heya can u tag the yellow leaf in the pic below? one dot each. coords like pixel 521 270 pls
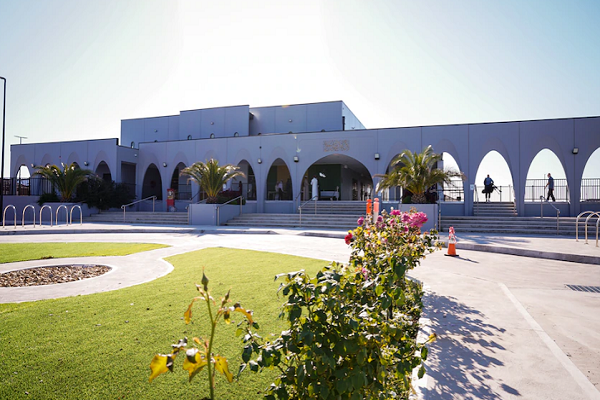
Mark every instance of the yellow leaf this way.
pixel 240 309
pixel 188 314
pixel 160 364
pixel 194 362
pixel 222 366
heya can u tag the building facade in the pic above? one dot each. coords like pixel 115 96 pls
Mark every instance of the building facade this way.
pixel 280 149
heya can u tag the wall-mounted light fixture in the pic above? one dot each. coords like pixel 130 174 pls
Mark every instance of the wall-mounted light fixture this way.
pixel 212 135
pixel 86 163
pixel 377 156
pixel 189 137
pixel 575 150
pixel 235 134
pixel 259 161
pixel 290 120
pixel 212 123
pixel 296 159
pixel 165 164
pixel 135 155
pixel 32 165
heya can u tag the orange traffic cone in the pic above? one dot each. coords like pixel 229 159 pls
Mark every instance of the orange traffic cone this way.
pixel 451 243
pixel 451 250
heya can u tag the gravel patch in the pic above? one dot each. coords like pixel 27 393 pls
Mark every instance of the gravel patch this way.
pixel 51 275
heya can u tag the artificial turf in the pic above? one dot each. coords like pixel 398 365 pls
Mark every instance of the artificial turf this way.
pixel 100 346
pixel 12 252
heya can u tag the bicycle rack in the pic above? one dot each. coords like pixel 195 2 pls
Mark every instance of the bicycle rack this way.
pixel 4 215
pixel 586 221
pixel 66 214
pixel 23 217
pixel 80 214
pixel 49 209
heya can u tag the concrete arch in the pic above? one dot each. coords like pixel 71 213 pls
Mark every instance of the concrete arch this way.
pixel 74 158
pixel 396 149
pixel 270 189
pixel 210 154
pixel 152 183
pixel 241 155
pixel 22 160
pixel 100 157
pixel 446 146
pixel 47 160
pixel 352 170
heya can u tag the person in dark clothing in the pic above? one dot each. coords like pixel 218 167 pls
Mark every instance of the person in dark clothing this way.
pixel 550 186
pixel 489 187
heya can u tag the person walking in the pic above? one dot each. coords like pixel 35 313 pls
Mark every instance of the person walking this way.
pixel 550 186
pixel 489 188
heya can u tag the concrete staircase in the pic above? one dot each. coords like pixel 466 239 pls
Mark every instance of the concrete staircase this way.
pixel 499 209
pixel 329 215
pixel 140 217
pixel 517 225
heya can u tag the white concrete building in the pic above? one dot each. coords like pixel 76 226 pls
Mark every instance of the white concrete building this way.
pixel 291 144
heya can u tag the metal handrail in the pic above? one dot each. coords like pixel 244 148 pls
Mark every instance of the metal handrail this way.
pixel 80 214
pixel 23 217
pixel 298 195
pixel 66 214
pixel 4 215
pixel 124 206
pixel 220 205
pixel 542 212
pixel 315 198
pixel 49 209
pixel 586 221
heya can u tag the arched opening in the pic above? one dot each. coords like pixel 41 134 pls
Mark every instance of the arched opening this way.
pixel 339 177
pixel 183 189
pixel 453 191
pixel 279 181
pixel 152 185
pixel 22 181
pixel 103 171
pixel 546 162
pixel 590 180
pixel 248 183
pixel 502 189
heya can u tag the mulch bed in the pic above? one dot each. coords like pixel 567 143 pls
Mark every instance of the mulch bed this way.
pixel 51 275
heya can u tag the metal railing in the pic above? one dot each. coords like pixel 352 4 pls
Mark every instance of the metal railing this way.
pixel 4 214
pixel 23 217
pixel 499 193
pixel 124 206
pixel 542 202
pixel 536 188
pixel 315 199
pixel 25 187
pixel 592 214
pixel 49 209
pixel 590 190
pixel 452 191
pixel 220 205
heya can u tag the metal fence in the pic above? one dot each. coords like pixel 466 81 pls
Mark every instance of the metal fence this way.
pixel 25 187
pixel 536 188
pixel 590 190
pixel 499 194
pixel 452 191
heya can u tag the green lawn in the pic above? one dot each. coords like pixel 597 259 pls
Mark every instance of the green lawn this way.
pixel 100 346
pixel 11 252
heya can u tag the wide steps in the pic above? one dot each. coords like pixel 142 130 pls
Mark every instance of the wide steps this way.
pixel 140 217
pixel 517 225
pixel 321 221
pixel 505 209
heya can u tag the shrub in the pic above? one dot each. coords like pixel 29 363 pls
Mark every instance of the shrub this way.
pixel 48 198
pixel 352 329
pixel 104 194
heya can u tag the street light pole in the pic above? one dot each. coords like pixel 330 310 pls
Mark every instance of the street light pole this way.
pixel 2 165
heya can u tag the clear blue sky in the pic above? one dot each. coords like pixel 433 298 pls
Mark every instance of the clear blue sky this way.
pixel 76 68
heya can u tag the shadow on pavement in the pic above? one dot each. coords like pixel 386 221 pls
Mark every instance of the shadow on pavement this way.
pixel 466 349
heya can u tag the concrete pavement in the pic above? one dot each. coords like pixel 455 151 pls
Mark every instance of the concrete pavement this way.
pixel 508 327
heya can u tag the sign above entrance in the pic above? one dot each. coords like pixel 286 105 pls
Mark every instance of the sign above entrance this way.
pixel 336 145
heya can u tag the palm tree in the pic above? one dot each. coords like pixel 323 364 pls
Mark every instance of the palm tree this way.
pixel 211 176
pixel 64 180
pixel 415 172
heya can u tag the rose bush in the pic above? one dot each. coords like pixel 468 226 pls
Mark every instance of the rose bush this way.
pixel 352 328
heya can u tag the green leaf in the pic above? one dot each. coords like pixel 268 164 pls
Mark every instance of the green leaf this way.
pixel 421 372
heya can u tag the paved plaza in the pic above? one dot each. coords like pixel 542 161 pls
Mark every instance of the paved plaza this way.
pixel 507 324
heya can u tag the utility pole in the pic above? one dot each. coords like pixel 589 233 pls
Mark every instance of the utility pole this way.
pixel 2 165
